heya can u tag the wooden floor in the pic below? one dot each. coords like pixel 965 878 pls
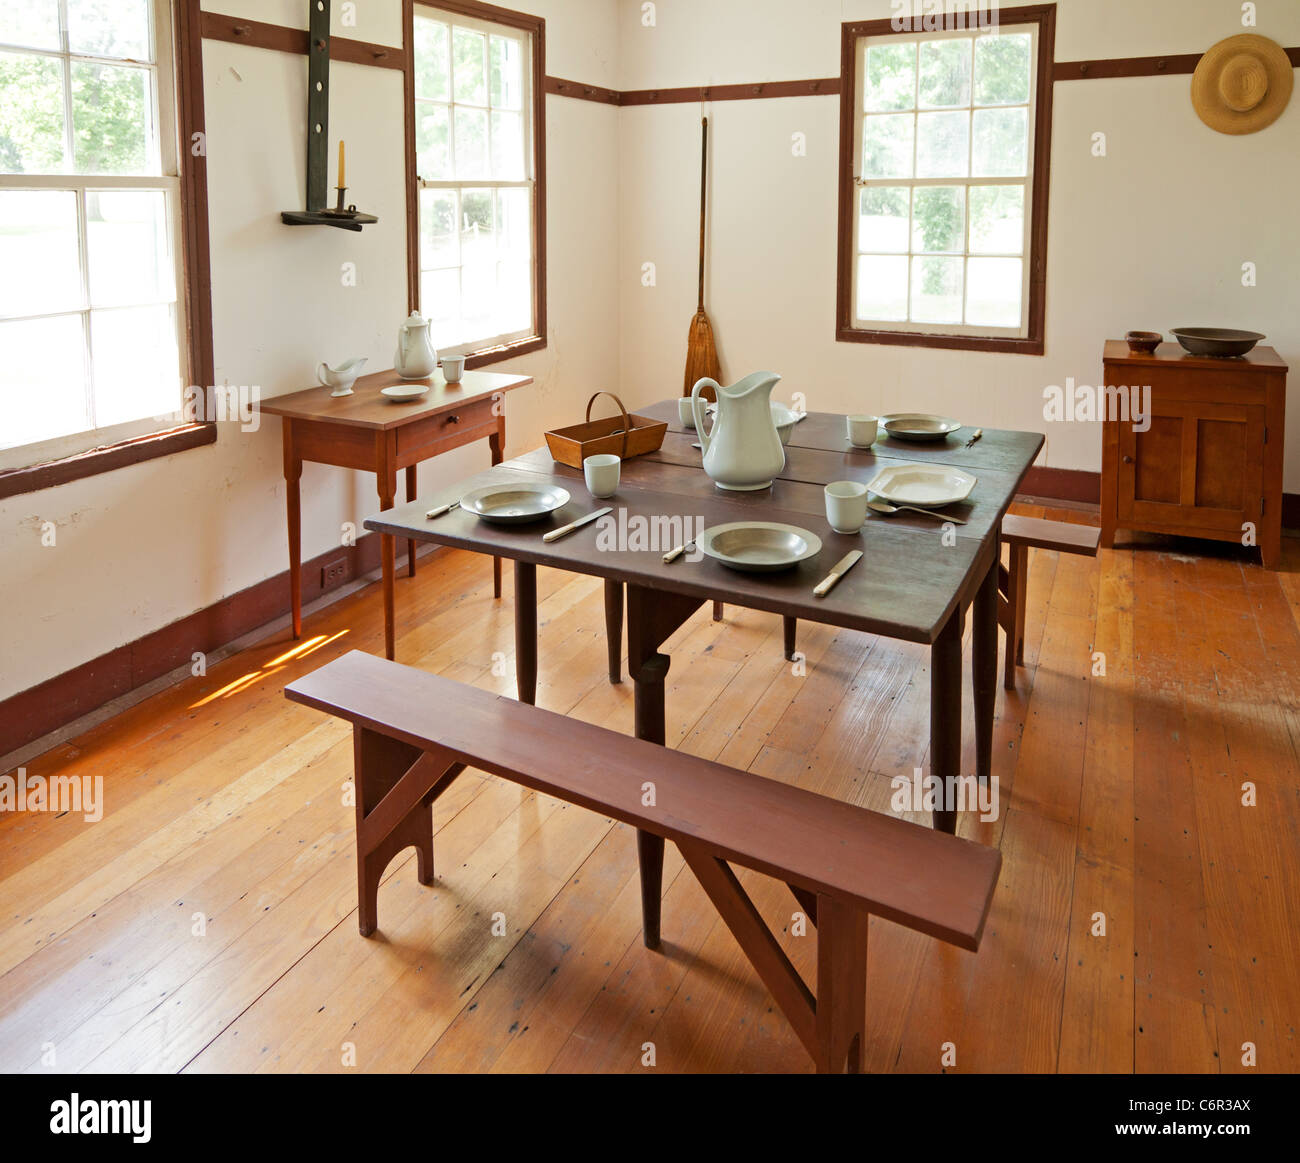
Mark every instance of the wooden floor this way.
pixel 1145 920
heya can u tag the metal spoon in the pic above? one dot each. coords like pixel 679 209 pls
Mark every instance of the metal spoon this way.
pixel 885 507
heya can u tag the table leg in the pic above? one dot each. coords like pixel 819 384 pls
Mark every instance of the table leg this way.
pixel 788 627
pixel 614 629
pixel 496 444
pixel 387 557
pixel 717 611
pixel 293 506
pixel 411 488
pixel 945 717
pixel 984 665
pixel 526 630
pixel 651 618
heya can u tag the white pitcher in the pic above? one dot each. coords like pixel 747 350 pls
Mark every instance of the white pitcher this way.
pixel 742 452
pixel 415 358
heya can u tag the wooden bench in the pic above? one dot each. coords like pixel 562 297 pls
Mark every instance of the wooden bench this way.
pixel 1021 534
pixel 414 732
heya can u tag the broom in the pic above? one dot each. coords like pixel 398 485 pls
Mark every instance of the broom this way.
pixel 701 354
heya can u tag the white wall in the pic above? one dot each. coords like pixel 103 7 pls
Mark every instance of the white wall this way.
pixel 141 547
pixel 1151 237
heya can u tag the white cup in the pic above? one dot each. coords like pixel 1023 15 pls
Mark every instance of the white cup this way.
pixel 602 473
pixel 862 430
pixel 685 412
pixel 846 506
pixel 453 367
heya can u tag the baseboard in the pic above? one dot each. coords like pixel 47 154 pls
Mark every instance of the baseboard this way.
pixel 58 701
pixel 1063 484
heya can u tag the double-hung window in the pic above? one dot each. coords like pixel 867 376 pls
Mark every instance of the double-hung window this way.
pixel 90 324
pixel 477 161
pixel 944 239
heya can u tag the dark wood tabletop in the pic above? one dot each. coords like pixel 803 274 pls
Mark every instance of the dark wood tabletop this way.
pixel 910 578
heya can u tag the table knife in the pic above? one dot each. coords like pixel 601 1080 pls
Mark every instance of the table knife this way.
pixel 441 509
pixel 564 530
pixel 846 563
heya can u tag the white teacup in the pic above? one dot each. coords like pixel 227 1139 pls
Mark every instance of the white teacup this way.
pixel 602 473
pixel 453 367
pixel 685 412
pixel 846 506
pixel 862 430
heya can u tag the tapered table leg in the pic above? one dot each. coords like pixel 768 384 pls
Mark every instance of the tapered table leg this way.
pixel 526 630
pixel 411 487
pixel 293 507
pixel 497 445
pixel 984 665
pixel 614 629
pixel 387 557
pixel 789 626
pixel 945 717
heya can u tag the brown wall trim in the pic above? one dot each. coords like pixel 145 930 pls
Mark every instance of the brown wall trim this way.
pixel 824 87
pixel 44 708
pixel 558 87
pixel 1044 15
pixel 1062 484
pixel 33 478
pixel 280 39
pixel 1166 66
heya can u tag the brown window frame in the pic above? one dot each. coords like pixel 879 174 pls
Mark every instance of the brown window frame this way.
pixel 1044 15
pixel 187 54
pixel 535 27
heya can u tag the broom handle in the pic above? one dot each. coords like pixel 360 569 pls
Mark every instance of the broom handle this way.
pixel 704 187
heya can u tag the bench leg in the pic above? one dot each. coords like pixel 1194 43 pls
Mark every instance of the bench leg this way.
pixel 379 763
pixel 614 629
pixel 526 631
pixel 1019 564
pixel 788 627
pixel 841 986
pixel 984 666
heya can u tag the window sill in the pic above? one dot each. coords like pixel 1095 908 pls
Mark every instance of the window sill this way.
pixel 1027 346
pixel 50 473
pixel 491 355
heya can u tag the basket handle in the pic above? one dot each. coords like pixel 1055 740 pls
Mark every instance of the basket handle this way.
pixel 627 420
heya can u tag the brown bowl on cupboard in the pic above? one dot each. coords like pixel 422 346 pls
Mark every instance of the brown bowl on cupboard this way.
pixel 1143 342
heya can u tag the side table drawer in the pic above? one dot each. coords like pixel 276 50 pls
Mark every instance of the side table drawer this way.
pixel 446 429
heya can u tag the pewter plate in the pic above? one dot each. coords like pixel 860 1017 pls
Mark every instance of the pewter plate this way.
pixel 918 425
pixel 515 504
pixel 758 546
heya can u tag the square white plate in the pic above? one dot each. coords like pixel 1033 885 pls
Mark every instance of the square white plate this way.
pixel 925 485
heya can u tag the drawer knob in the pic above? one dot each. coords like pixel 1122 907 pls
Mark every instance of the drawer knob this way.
pixel 453 419
pixel 1128 460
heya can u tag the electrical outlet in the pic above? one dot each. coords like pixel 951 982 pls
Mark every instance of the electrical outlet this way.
pixel 334 573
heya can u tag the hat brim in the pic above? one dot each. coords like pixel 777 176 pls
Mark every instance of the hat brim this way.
pixel 1208 102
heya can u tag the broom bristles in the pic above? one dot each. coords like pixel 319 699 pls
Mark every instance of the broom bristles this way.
pixel 701 355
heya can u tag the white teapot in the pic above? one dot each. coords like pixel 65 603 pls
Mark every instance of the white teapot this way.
pixel 415 358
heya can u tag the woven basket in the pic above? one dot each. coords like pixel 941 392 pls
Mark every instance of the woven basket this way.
pixel 623 435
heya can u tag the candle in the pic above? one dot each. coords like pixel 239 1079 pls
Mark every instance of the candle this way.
pixel 343 181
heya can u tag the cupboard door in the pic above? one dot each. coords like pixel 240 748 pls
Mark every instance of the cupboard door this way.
pixel 1198 466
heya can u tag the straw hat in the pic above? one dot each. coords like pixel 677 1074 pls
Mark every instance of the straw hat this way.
pixel 1242 84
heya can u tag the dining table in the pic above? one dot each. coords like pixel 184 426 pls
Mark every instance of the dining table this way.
pixel 915 582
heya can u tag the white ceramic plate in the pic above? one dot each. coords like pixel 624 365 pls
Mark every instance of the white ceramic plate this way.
pixel 918 425
pixel 401 393
pixel 514 504
pixel 925 485
pixel 758 546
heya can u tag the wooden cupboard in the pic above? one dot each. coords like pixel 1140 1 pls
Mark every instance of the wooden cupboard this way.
pixel 1207 461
